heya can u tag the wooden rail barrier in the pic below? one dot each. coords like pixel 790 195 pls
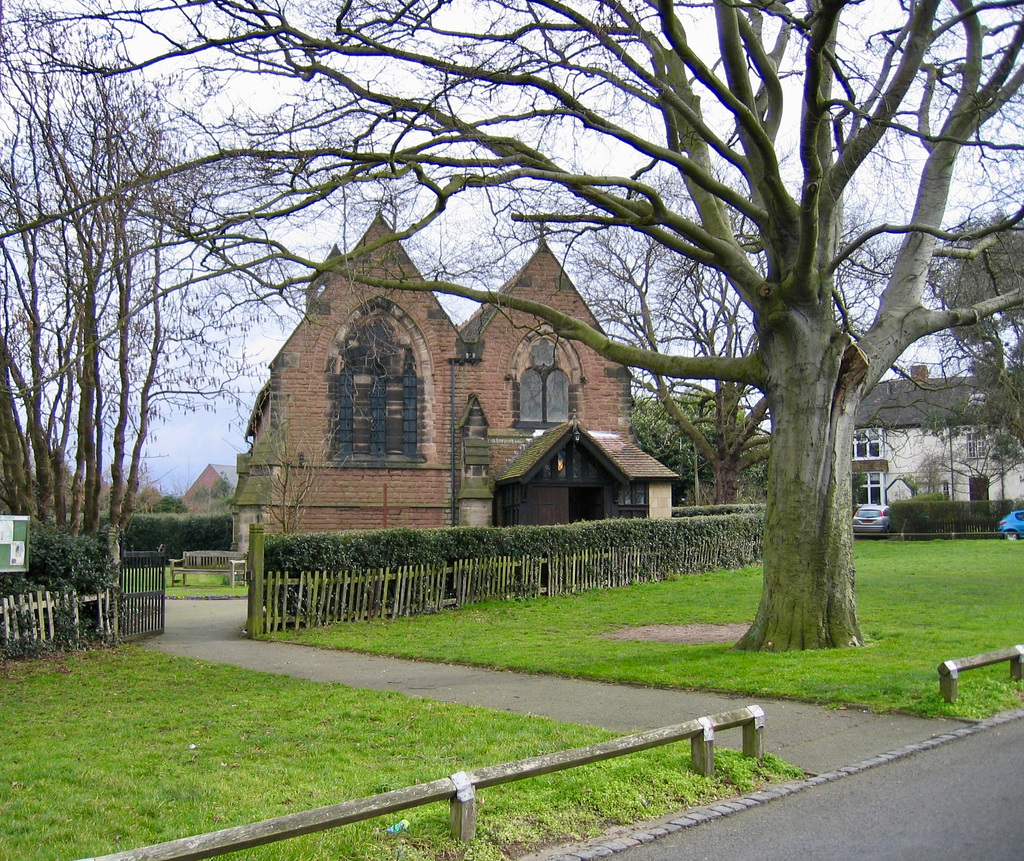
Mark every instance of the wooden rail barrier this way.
pixel 949 671
pixel 459 790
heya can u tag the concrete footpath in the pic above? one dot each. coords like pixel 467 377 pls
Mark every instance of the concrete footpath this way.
pixel 818 740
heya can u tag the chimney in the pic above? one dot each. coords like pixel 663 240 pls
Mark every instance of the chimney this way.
pixel 919 373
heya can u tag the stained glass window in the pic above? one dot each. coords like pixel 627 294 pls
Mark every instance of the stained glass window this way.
pixel 376 394
pixel 543 388
pixel 556 396
pixel 531 397
pixel 410 401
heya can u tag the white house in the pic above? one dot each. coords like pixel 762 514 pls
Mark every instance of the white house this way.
pixel 914 436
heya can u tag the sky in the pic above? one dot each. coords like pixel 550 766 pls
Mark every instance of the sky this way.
pixel 182 443
pixel 179 450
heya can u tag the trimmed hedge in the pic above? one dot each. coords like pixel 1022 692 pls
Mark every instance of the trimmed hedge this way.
pixel 179 532
pixel 947 517
pixel 738 540
pixel 58 562
pixel 712 510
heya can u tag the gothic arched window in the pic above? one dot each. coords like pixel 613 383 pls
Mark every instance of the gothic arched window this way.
pixel 376 392
pixel 543 388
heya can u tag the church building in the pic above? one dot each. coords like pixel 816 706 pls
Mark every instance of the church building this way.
pixel 381 412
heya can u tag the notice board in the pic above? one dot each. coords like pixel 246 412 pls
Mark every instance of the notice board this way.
pixel 13 542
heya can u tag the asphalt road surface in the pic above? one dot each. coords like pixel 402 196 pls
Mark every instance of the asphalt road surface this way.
pixel 963 800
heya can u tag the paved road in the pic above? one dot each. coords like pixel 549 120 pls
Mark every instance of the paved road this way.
pixel 960 801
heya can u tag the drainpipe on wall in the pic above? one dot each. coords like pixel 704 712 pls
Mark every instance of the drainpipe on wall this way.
pixel 452 426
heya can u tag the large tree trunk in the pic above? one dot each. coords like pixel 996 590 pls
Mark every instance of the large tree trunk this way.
pixel 727 482
pixel 808 599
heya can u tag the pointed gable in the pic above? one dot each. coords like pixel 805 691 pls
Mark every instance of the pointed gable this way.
pixel 541 279
pixel 389 259
pixel 621 458
pixel 338 291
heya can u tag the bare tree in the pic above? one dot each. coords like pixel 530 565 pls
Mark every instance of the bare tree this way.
pixel 663 303
pixel 95 334
pixel 570 115
pixel 991 350
pixel 286 466
pixel 294 478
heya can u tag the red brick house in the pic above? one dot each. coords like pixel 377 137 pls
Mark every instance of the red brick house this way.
pixel 202 492
pixel 380 412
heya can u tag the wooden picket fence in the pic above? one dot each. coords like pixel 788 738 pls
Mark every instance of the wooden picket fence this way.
pixel 310 599
pixel 321 597
pixel 593 569
pixel 40 618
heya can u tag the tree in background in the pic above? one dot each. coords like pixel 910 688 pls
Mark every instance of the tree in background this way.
pixel 990 349
pixel 661 436
pixel 663 303
pixel 772 116
pixel 169 504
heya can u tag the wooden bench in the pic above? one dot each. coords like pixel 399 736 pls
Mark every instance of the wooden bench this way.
pixel 949 671
pixel 226 562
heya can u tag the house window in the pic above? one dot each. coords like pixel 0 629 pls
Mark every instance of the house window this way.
pixel 873 488
pixel 975 446
pixel 633 500
pixel 867 444
pixel 543 388
pixel 376 393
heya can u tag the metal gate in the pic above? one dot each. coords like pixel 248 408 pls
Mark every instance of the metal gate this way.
pixel 143 595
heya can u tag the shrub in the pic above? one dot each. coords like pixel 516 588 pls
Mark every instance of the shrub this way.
pixel 711 510
pixel 59 562
pixel 179 532
pixel 735 539
pixel 946 517
pixel 934 496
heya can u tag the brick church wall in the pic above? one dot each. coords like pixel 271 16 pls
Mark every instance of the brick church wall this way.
pixel 349 495
pixel 600 396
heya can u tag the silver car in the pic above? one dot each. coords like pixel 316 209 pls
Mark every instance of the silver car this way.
pixel 871 520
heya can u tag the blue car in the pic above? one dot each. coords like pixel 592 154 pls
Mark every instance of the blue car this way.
pixel 1012 526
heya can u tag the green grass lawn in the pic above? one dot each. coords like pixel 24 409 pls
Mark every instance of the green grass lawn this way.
pixel 204 586
pixel 190 591
pixel 113 750
pixel 920 603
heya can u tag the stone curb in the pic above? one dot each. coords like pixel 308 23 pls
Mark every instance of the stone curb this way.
pixel 698 816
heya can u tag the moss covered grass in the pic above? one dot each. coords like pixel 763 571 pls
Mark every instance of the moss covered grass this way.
pixel 920 603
